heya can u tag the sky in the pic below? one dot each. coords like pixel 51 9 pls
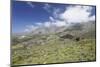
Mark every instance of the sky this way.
pixel 28 16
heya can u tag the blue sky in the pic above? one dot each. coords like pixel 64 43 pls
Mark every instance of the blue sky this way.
pixel 30 15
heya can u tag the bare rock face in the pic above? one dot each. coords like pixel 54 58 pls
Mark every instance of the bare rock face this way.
pixel 77 38
pixel 67 36
pixel 72 37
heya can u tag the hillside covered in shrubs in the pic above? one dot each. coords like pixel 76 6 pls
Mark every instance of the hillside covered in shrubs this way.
pixel 75 43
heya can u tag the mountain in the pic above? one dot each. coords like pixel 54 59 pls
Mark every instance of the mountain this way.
pixel 42 34
pixel 48 45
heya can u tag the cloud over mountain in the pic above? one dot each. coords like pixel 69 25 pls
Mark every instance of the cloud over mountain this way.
pixel 77 14
pixel 72 14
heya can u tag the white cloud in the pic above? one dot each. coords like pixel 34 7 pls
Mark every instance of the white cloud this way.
pixel 56 12
pixel 59 23
pixel 77 14
pixel 92 18
pixel 51 19
pixel 56 23
pixel 30 4
pixel 30 28
pixel 47 7
pixel 47 24
pixel 39 24
pixel 26 30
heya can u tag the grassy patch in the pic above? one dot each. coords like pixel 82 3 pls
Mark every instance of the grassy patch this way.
pixel 54 51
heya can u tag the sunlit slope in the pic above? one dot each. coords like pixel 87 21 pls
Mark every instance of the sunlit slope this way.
pixel 73 44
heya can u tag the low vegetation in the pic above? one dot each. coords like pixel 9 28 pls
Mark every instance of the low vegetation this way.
pixel 54 51
pixel 66 46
